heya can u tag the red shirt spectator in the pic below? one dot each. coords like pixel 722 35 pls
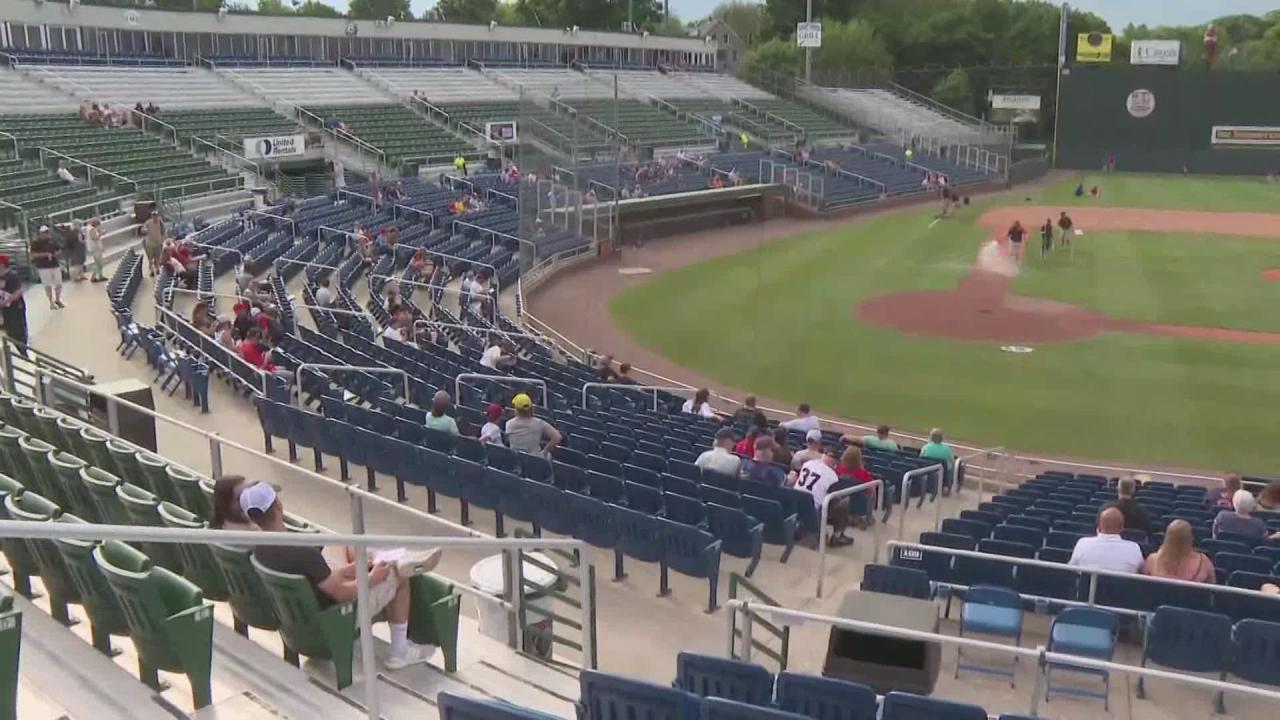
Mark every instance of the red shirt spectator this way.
pixel 254 353
pixel 851 466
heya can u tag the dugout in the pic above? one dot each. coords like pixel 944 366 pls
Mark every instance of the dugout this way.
pixel 643 219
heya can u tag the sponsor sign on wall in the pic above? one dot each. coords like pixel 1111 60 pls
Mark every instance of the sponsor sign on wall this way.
pixel 1093 47
pixel 1140 103
pixel 501 132
pixel 1155 52
pixel 1015 102
pixel 274 147
pixel 1245 135
pixel 809 34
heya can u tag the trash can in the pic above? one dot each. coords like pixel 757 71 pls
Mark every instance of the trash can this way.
pixel 486 576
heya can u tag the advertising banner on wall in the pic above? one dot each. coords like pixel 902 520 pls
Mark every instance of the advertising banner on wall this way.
pixel 1093 47
pixel 1155 52
pixel 1014 108
pixel 1245 135
pixel 279 146
pixel 809 34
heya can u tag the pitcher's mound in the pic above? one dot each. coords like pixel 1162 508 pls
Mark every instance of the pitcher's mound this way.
pixel 981 308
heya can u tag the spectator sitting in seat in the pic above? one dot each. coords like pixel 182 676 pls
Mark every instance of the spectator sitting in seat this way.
pixel 225 336
pixel 529 434
pixel 389 596
pixel 395 330
pixel 623 376
pixel 153 109
pixel 717 183
pixel 764 470
pixel 226 513
pixel 781 448
pixel 324 296
pixel 65 175
pixel 1178 558
pixel 500 355
pixel 938 450
pixel 246 320
pixel 804 421
pixel 812 449
pixel 746 447
pixel 851 466
pixel 817 477
pixel 1107 550
pixel 1241 520
pixel 201 318
pixel 1221 498
pixel 1269 498
pixel 254 351
pixel 491 431
pixel 1135 516
pixel 746 414
pixel 604 368
pixel 699 405
pixel 720 457
pixel 879 441
pixel 437 418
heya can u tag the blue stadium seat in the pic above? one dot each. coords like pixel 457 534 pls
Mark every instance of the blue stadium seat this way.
pixel 550 510
pixel 637 537
pixel 710 676
pixel 741 535
pixel 990 610
pixel 593 521
pixel 684 510
pixel 825 698
pixel 937 565
pixel 1061 583
pixel 714 708
pixel 779 527
pixel 608 488
pixel 905 706
pixel 1256 656
pixel 501 457
pixel 642 498
pixel 458 707
pixel 721 496
pixel 893 580
pixel 568 477
pixel 1187 640
pixel 1028 521
pixel 535 467
pixel 1213 546
pixel 1242 607
pixel 1087 632
pixel 692 552
pixel 1226 563
pixel 438 473
pixel 610 697
pixel 1015 533
pixel 967 528
pixel 644 476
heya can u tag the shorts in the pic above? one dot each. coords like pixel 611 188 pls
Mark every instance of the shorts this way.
pixel 50 277
pixel 381 595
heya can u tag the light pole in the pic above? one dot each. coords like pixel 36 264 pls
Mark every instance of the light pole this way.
pixel 808 52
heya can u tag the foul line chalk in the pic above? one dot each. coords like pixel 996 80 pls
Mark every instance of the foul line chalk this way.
pixel 935 222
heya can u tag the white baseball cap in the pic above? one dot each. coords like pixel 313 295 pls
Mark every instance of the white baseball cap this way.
pixel 813 436
pixel 259 496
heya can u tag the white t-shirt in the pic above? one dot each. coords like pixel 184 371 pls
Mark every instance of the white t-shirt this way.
pixel 704 410
pixel 816 479
pixel 1107 552
pixel 324 297
pixel 65 175
pixel 489 358
pixel 719 460
pixel 392 333
pixel 491 434
pixel 803 424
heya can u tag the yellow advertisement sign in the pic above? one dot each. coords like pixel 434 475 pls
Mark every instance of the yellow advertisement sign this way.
pixel 1093 47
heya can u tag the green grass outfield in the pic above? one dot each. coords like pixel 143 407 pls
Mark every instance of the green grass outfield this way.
pixel 780 321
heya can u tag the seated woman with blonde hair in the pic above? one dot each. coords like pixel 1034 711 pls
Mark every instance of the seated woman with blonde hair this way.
pixel 1177 557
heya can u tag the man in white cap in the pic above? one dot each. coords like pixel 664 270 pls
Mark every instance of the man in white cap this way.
pixel 388 577
pixel 44 252
pixel 812 449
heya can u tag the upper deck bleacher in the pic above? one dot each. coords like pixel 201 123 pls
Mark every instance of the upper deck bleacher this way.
pixel 166 87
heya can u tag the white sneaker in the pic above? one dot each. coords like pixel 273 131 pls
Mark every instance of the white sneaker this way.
pixel 418 563
pixel 414 654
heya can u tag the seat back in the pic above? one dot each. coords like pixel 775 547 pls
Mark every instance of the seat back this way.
pixel 684 510
pixel 31 507
pixel 637 534
pixel 67 470
pixel 101 487
pixel 611 697
pixel 711 676
pixel 247 593
pixel 12 460
pixel 187 491
pixel 460 707
pixel 1189 640
pixel 892 580
pixel 936 564
pixel 593 521
pixel 198 564
pixel 714 708
pixel 643 498
pixel 689 550
pixel 905 706
pixel 1063 583
pixel 740 533
pixel 95 593
pixel 299 611
pixel 95 442
pixel 823 698
pixel 37 452
pixel 1257 647
pixel 153 475
pixel 143 510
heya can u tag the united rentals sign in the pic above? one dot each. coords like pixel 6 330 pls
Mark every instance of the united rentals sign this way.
pixel 1245 135
pixel 1155 52
pixel 277 146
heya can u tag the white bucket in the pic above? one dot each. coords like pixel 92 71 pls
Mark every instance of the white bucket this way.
pixel 486 576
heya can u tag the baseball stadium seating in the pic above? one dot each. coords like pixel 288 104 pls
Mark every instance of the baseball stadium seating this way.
pixel 166 87
pixel 23 95
pixel 303 86
pixel 226 126
pixel 440 85
pixel 397 131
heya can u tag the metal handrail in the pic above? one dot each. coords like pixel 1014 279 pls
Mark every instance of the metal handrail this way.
pixel 1043 657
pixel 908 483
pixel 878 486
pixel 257 169
pixel 14 140
pixel 379 369
pixel 457 383
pixel 164 315
pixel 293 225
pixel 655 389
pixel 45 150
pixel 158 192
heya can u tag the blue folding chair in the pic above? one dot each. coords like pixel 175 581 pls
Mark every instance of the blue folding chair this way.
pixel 823 698
pixel 710 676
pixel 1257 654
pixel 994 611
pixel 1088 632
pixel 1188 640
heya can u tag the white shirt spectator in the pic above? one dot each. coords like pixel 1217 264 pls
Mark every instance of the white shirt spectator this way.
pixel 324 297
pixel 491 434
pixel 490 357
pixel 719 460
pixel 816 479
pixel 392 333
pixel 65 175
pixel 1107 552
pixel 704 410
pixel 803 424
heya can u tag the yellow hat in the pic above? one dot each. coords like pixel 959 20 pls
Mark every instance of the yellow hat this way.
pixel 522 402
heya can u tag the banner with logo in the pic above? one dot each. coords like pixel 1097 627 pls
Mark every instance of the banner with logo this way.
pixel 1140 103
pixel 1094 47
pixel 1245 135
pixel 1015 102
pixel 1155 52
pixel 809 34
pixel 256 148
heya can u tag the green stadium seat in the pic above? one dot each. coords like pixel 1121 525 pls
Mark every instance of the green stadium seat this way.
pixel 125 462
pixel 12 460
pixel 433 618
pixel 171 625
pixel 155 472
pixel 143 510
pixel 250 601
pixel 67 468
pixel 24 412
pixel 101 486
pixel 198 563
pixel 16 552
pixel 46 426
pixel 327 634
pixel 10 646
pixel 95 442
pixel 30 507
pixel 70 429
pixel 187 491
pixel 42 478
pixel 106 617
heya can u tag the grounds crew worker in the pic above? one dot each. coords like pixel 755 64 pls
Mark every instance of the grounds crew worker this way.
pixel 745 137
pixel 460 164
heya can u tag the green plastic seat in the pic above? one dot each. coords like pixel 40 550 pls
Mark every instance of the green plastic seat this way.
pixel 296 524
pixel 169 621
pixel 187 492
pixel 124 463
pixel 250 601
pixel 154 470
pixel 24 411
pixel 7 413
pixel 66 468
pixel 101 486
pixel 12 462
pixel 47 426
pixel 433 615
pixel 72 442
pixel 41 479
pixel 10 646
pixel 16 551
pixel 198 564
pixel 106 618
pixel 143 509
pixel 327 634
pixel 95 446
pixel 30 507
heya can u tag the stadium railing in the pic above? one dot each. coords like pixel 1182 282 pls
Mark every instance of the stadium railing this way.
pixel 785 617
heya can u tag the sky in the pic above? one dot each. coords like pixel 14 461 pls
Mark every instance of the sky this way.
pixel 1118 13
